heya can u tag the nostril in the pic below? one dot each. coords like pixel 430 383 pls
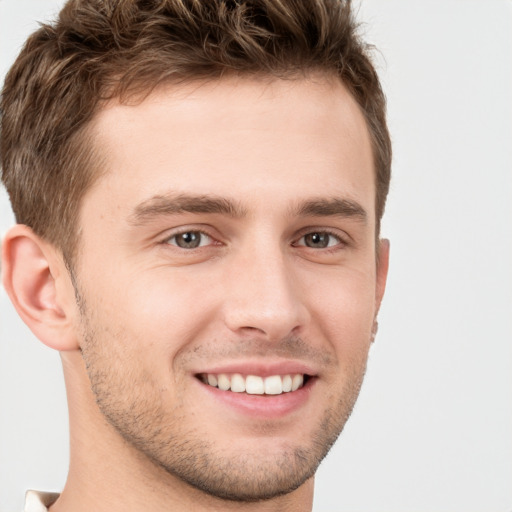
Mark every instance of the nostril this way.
pixel 251 330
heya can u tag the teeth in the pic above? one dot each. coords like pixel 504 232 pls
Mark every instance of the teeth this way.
pixel 237 383
pixel 273 385
pixel 254 384
pixel 287 383
pixel 223 382
pixel 297 382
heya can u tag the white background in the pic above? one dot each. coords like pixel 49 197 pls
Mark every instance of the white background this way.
pixel 432 430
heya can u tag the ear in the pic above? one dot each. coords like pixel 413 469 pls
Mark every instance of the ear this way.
pixel 382 272
pixel 38 284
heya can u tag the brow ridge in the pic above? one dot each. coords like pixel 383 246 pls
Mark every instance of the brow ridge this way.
pixel 329 207
pixel 172 204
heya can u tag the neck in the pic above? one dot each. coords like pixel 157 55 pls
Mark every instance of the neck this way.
pixel 106 472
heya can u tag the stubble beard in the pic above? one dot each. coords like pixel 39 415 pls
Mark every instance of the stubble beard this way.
pixel 129 399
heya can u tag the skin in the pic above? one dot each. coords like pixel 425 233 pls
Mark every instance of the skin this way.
pixel 262 170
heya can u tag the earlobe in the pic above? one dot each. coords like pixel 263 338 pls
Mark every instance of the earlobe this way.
pixel 30 268
pixel 382 270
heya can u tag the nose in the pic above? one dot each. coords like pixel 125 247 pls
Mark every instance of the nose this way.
pixel 263 296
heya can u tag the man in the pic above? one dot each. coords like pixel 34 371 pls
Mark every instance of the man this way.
pixel 198 188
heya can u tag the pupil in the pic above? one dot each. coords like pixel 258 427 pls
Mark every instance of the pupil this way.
pixel 189 240
pixel 317 240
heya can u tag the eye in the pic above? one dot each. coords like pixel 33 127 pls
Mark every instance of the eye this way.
pixel 189 240
pixel 320 240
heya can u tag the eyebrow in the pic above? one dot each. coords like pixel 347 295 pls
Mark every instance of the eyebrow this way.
pixel 332 207
pixel 172 204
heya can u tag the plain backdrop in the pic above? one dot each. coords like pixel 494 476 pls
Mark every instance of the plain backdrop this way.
pixel 432 430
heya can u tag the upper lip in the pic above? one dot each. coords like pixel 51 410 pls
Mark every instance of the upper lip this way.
pixel 260 368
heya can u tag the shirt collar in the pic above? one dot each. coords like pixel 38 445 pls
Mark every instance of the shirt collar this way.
pixel 36 501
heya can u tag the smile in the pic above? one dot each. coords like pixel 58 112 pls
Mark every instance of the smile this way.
pixel 254 384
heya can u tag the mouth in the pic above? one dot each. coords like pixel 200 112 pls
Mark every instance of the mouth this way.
pixel 255 384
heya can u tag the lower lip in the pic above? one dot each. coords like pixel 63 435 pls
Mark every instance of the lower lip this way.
pixel 263 406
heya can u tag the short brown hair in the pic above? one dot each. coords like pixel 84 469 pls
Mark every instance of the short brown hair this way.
pixel 102 49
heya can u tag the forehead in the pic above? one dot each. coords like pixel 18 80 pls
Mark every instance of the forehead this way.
pixel 270 139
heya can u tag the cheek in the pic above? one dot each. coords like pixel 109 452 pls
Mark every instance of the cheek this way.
pixel 344 308
pixel 159 311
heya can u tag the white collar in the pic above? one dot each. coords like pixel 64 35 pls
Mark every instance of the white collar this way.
pixel 36 501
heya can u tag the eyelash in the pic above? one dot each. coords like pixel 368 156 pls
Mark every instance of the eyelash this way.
pixel 202 233
pixel 341 241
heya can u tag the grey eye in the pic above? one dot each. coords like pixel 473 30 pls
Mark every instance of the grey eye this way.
pixel 189 239
pixel 319 240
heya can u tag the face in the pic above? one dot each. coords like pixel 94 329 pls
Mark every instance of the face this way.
pixel 227 278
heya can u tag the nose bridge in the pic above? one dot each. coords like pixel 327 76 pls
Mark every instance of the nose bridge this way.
pixel 263 293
